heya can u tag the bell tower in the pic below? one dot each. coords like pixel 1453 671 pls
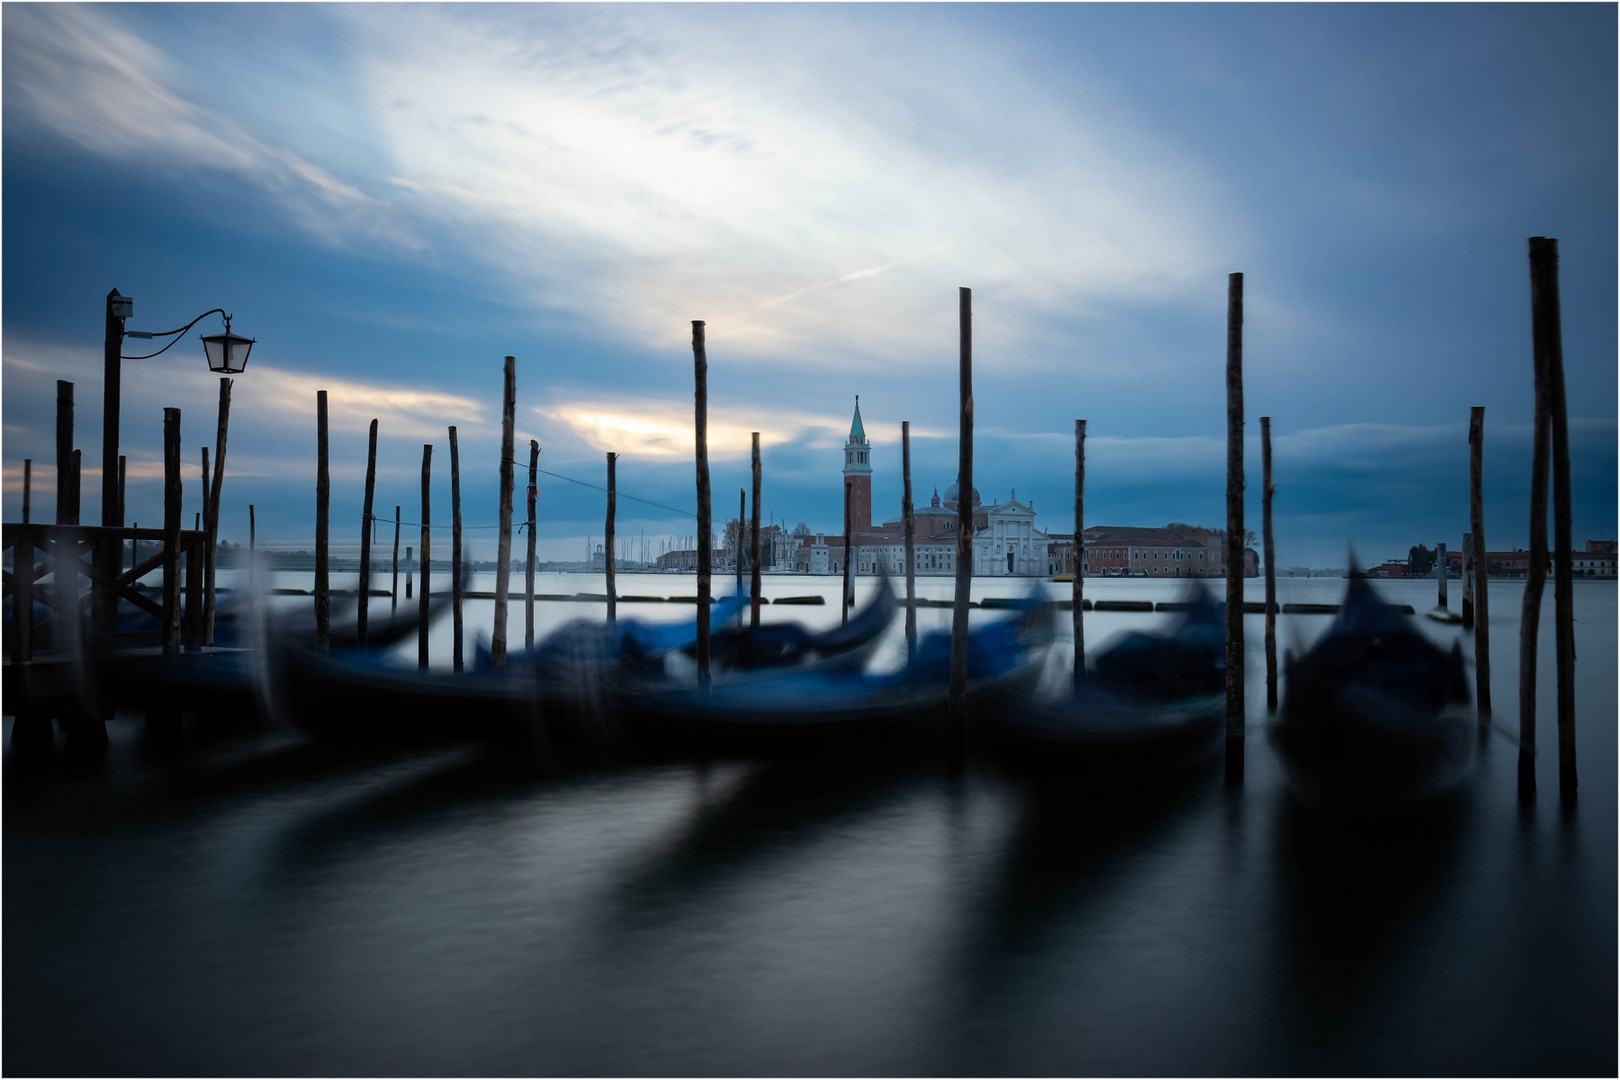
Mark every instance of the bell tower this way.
pixel 858 472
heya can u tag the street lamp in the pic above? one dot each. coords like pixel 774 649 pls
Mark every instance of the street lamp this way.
pixel 226 353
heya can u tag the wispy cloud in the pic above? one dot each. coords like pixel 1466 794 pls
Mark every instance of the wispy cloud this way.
pixel 77 70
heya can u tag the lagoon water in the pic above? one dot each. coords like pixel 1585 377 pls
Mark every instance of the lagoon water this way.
pixel 258 904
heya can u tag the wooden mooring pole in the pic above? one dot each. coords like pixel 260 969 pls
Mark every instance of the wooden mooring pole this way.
pixel 202 517
pixel 742 516
pixel 456 627
pixel 28 485
pixel 253 531
pixel 956 730
pixel 908 515
pixel 608 537
pixel 1270 553
pixel 705 552
pixel 323 507
pixel 1440 571
pixel 1076 588
pixel 221 431
pixel 393 588
pixel 754 582
pixel 528 561
pixel 171 532
pixel 1476 527
pixel 1468 581
pixel 1549 331
pixel 847 584
pixel 427 547
pixel 75 473
pixel 65 514
pixel 1235 705
pixel 503 544
pixel 1536 576
pixel 362 613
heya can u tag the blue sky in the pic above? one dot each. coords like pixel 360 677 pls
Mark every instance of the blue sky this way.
pixel 392 198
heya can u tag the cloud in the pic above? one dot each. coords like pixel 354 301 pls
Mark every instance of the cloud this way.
pixel 642 168
pixel 77 70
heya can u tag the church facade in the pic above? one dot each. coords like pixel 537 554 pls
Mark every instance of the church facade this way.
pixel 1005 539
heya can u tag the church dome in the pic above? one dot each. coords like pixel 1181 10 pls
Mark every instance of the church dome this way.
pixel 950 495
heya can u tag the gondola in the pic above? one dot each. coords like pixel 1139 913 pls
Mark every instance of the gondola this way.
pixel 1375 716
pixel 830 707
pixel 788 643
pixel 1153 705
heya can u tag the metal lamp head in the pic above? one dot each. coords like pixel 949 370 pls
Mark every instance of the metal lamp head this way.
pixel 227 352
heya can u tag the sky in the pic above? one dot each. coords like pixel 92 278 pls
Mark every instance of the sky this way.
pixel 391 199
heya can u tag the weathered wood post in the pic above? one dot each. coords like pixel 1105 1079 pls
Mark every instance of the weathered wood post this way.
pixel 323 506
pixel 755 585
pixel 253 531
pixel 1536 576
pixel 455 553
pixel 908 516
pixel 742 516
pixel 607 537
pixel 171 531
pixel 362 613
pixel 28 485
pixel 410 562
pixel 1235 706
pixel 393 587
pixel 202 516
pixel 847 590
pixel 65 514
pixel 427 547
pixel 1270 553
pixel 1548 330
pixel 74 475
pixel 1468 581
pixel 221 431
pixel 705 552
pixel 956 732
pixel 528 562
pixel 1476 526
pixel 1076 588
pixel 1440 571
pixel 503 545
pixel 123 466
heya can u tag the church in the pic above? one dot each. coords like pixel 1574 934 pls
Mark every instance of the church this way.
pixel 1006 542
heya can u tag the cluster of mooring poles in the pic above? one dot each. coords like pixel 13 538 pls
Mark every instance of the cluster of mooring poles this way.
pixel 111 581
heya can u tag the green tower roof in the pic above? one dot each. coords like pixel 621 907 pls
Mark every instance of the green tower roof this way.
pixel 856 430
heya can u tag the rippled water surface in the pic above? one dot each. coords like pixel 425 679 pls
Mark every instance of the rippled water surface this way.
pixel 260 904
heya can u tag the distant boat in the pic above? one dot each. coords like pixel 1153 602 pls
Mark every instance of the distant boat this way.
pixel 1375 716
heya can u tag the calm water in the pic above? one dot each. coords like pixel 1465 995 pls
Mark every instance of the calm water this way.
pixel 258 904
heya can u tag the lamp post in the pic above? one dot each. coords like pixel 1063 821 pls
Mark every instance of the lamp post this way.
pixel 226 353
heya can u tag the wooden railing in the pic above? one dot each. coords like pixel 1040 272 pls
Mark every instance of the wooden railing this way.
pixel 98 553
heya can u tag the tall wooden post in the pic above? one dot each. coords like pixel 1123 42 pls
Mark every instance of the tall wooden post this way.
pixel 742 516
pixel 323 506
pixel 705 551
pixel 607 537
pixel 253 531
pixel 426 545
pixel 908 516
pixel 393 587
pixel 1476 526
pixel 455 553
pixel 1440 567
pixel 28 485
pixel 75 473
pixel 1270 553
pixel 1548 332
pixel 528 562
pixel 1536 577
pixel 171 531
pixel 362 613
pixel 503 545
pixel 1235 706
pixel 1076 586
pixel 202 518
pixel 956 732
pixel 65 514
pixel 220 433
pixel 123 469
pixel 845 597
pixel 754 581
pixel 410 561
pixel 1468 581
